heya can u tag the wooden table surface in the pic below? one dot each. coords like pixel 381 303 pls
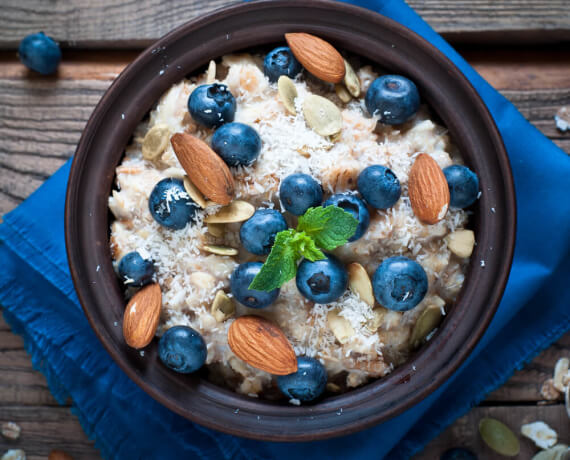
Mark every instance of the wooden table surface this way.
pixel 515 44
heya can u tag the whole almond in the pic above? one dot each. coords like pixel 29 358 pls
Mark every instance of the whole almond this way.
pixel 317 56
pixel 141 316
pixel 428 190
pixel 206 170
pixel 59 455
pixel 261 344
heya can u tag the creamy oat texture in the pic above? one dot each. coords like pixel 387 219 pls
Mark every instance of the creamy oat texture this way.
pixel 189 277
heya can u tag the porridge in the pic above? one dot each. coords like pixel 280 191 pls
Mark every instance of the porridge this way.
pixel 296 156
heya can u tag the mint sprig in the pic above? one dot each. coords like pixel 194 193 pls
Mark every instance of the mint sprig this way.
pixel 326 228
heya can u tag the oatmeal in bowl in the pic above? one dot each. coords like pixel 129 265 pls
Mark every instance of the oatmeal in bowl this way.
pixel 294 227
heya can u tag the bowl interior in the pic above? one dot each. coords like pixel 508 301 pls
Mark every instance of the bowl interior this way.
pixel 183 52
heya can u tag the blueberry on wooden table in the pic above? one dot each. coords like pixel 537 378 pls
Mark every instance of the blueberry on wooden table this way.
pixel 299 192
pixel 379 186
pixel 170 205
pixel 240 280
pixel 355 206
pixel 458 453
pixel 399 283
pixel 40 53
pixel 463 185
pixel 307 384
pixel 393 99
pixel 182 349
pixel 280 61
pixel 212 105
pixel 134 270
pixel 257 234
pixel 322 281
pixel 237 144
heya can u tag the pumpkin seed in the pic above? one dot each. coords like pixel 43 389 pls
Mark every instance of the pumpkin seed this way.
pixel 177 173
pixel 377 316
pixel 560 371
pixel 340 326
pixel 217 230
pixel 351 80
pixel 428 320
pixel 211 74
pixel 359 283
pixel 342 93
pixel 322 115
pixel 287 93
pixel 223 307
pixel 236 211
pixel 155 141
pixel 558 452
pixel 499 437
pixel 220 250
pixel 194 193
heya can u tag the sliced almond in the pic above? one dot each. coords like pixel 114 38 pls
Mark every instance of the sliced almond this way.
pixel 155 141
pixel 461 242
pixel 351 80
pixel 342 93
pixel 374 323
pixel 211 74
pixel 205 169
pixel 222 307
pixel 558 452
pixel 141 316
pixel 287 93
pixel 567 400
pixel 560 371
pixel 177 173
pixel 340 326
pixel 540 433
pixel 237 211
pixel 217 230
pixel 317 56
pixel 322 116
pixel 359 283
pixel 261 344
pixel 428 190
pixel 428 320
pixel 220 250
pixel 194 193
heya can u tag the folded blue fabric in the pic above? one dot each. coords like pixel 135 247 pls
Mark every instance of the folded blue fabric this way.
pixel 40 304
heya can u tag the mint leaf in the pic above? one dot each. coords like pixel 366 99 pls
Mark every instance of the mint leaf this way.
pixel 305 246
pixel 281 264
pixel 329 227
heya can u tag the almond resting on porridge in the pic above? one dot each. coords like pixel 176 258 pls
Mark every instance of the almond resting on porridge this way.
pixel 210 226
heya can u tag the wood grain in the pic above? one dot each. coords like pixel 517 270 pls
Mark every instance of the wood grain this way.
pixel 112 24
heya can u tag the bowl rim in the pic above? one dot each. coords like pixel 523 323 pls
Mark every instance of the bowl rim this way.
pixel 405 371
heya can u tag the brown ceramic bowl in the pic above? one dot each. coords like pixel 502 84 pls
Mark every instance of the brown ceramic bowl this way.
pixel 189 48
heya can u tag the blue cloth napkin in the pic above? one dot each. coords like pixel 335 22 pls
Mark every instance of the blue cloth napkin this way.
pixel 40 304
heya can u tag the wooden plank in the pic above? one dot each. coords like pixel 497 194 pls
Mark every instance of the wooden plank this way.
pixel 47 428
pixel 464 432
pixel 111 24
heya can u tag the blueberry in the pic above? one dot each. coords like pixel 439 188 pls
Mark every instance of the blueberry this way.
pixel 299 192
pixel 40 53
pixel 182 349
pixel 279 62
pixel 307 383
pixel 463 185
pixel 399 283
pixel 212 105
pixel 379 186
pixel 257 234
pixel 458 453
pixel 322 281
pixel 354 205
pixel 170 205
pixel 237 144
pixel 392 98
pixel 134 270
pixel 240 280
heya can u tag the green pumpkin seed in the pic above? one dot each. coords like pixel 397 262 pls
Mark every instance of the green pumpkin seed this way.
pixel 194 193
pixel 223 307
pixel 429 319
pixel 155 141
pixel 351 80
pixel 342 93
pixel 287 93
pixel 220 250
pixel 499 437
pixel 322 115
